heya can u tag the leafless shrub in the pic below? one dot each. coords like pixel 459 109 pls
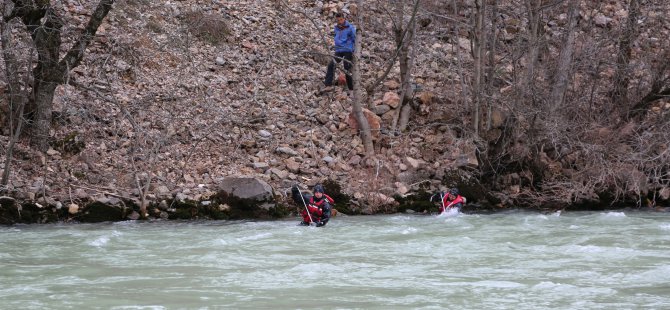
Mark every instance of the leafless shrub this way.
pixel 210 28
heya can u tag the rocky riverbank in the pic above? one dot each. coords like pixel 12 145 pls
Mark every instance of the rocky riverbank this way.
pixel 175 97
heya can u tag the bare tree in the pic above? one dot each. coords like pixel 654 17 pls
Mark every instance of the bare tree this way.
pixel 563 67
pixel 660 89
pixel 491 63
pixel 404 39
pixel 619 94
pixel 16 101
pixel 479 42
pixel 44 24
pixel 534 18
pixel 357 108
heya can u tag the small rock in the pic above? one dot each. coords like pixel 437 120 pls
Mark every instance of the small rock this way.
pixel 381 109
pixel 279 173
pixel 292 165
pixel 52 152
pixel 261 166
pixel 72 208
pixel 392 84
pixel 412 162
pixel 181 197
pixel 354 160
pixel 664 193
pixel 286 150
pixel 163 205
pixel 163 189
pixel 401 188
pixel 391 99
pixel 602 20
pixel 134 216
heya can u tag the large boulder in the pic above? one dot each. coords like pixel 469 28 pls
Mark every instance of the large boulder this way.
pixel 248 198
pixel 12 212
pixel 102 211
pixel 9 213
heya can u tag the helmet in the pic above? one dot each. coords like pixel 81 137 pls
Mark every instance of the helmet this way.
pixel 454 191
pixel 318 188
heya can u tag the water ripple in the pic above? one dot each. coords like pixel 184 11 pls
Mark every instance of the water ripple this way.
pixel 515 260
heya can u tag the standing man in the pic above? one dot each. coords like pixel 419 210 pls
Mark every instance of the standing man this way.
pixel 345 36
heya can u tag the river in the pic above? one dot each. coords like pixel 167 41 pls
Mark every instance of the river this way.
pixel 514 260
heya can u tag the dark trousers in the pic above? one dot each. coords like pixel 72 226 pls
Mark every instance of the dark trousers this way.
pixel 348 58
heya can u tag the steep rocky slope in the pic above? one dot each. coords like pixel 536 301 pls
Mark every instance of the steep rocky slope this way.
pixel 179 94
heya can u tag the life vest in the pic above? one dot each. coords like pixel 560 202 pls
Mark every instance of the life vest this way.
pixel 451 203
pixel 321 201
pixel 315 208
pixel 315 212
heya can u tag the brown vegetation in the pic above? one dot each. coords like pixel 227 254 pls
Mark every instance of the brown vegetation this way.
pixel 554 105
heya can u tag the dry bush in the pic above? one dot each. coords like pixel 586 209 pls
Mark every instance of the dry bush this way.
pixel 209 28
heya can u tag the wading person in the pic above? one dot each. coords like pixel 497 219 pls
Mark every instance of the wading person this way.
pixel 345 36
pixel 452 200
pixel 314 208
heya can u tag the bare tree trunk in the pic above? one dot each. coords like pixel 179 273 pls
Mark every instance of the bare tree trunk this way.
pixel 660 89
pixel 357 108
pixel 403 112
pixel 533 7
pixel 10 150
pixel 44 25
pixel 478 57
pixel 491 69
pixel 619 93
pixel 402 54
pixel 408 90
pixel 17 99
pixel 457 34
pixel 563 68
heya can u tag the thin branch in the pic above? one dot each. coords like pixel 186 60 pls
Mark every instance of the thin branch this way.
pixel 76 52
pixel 370 89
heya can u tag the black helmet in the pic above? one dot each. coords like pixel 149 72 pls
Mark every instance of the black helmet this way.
pixel 318 188
pixel 454 191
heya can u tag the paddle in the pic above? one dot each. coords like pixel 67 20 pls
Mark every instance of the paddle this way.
pixel 311 221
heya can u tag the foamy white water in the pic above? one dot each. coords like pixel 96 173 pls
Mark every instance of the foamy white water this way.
pixel 594 260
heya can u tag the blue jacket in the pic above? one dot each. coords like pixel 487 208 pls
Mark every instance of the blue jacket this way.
pixel 345 38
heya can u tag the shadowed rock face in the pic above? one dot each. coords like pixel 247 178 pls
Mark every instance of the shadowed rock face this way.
pixel 101 212
pixel 8 210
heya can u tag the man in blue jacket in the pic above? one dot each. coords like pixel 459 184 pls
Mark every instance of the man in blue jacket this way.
pixel 345 36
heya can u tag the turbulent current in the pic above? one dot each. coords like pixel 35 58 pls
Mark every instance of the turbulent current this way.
pixel 516 260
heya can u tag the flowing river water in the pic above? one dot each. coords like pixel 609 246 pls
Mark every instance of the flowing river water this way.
pixel 515 260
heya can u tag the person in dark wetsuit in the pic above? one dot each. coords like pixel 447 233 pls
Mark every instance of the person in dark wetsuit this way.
pixel 319 205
